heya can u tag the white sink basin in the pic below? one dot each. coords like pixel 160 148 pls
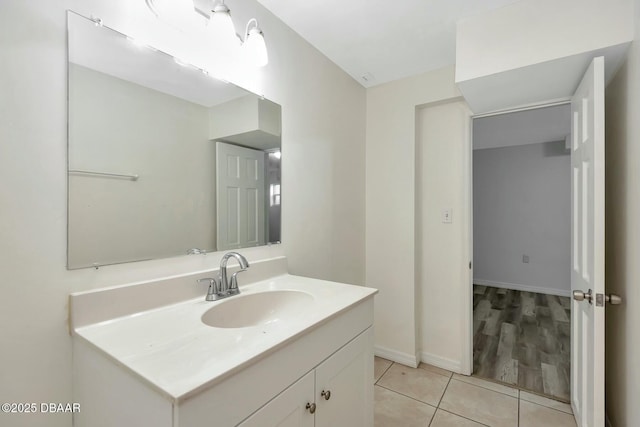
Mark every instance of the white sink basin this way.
pixel 261 308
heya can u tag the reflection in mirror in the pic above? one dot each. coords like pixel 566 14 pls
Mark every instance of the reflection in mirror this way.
pixel 163 159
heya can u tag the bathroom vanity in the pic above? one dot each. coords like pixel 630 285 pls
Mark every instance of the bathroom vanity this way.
pixel 287 351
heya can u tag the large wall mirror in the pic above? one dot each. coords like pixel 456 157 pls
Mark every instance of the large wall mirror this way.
pixel 163 159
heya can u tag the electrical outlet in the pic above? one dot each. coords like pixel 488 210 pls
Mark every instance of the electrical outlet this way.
pixel 525 259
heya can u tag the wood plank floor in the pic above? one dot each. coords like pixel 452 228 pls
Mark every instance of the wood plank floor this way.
pixel 522 339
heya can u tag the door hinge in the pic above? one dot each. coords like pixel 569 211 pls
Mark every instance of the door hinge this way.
pixel 470 265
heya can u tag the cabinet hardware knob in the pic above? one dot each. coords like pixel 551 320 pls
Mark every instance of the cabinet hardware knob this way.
pixel 311 407
pixel 326 394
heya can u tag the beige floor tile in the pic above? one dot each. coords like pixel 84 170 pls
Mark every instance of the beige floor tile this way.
pixel 447 419
pixel 480 404
pixel 435 369
pixel 532 415
pixel 419 384
pixel 549 403
pixel 393 409
pixel 487 384
pixel 380 365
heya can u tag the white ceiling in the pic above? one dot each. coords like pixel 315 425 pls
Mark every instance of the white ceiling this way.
pixel 381 40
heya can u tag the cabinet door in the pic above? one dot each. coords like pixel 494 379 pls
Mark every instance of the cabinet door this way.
pixel 288 409
pixel 344 385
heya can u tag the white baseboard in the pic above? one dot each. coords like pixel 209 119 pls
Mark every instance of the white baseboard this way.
pixel 414 361
pixel 442 362
pixel 396 356
pixel 525 288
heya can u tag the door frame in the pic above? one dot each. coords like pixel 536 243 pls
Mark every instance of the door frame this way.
pixel 467 342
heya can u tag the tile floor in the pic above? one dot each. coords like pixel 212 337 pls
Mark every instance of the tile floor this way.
pixel 522 339
pixel 432 397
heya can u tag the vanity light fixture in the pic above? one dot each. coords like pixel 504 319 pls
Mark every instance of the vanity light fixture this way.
pixel 181 14
pixel 254 46
pixel 178 13
pixel 221 28
pixel 223 33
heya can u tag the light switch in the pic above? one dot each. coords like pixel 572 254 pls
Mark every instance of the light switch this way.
pixel 446 215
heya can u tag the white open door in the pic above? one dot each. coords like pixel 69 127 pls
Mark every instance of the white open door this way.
pixel 240 188
pixel 587 248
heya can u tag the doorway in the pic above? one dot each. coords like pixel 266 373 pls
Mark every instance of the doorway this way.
pixel 522 249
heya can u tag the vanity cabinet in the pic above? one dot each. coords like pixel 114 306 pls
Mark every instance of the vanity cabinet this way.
pixel 338 392
pixel 344 385
pixel 166 368
pixel 289 408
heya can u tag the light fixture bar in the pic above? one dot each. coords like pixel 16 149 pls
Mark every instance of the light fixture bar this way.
pixel 179 13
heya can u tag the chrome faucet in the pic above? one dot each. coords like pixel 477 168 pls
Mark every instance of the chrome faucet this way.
pixel 231 287
pixel 223 287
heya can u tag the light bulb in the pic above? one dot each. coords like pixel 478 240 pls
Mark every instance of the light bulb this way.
pixel 221 28
pixel 255 48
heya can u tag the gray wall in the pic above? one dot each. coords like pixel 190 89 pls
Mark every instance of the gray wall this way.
pixel 521 206
pixel 522 127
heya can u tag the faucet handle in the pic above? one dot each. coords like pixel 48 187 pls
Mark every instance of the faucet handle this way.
pixel 213 288
pixel 233 285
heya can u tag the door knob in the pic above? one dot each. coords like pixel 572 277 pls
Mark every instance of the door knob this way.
pixel 311 407
pixel 326 394
pixel 613 299
pixel 581 295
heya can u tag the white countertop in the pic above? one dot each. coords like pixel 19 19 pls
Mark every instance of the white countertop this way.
pixel 173 351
